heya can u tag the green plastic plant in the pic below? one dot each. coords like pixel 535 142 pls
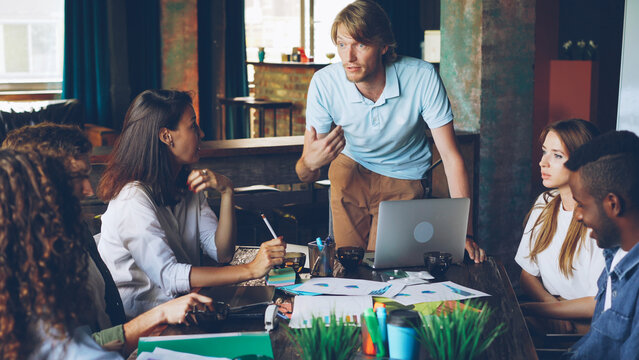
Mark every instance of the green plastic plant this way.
pixel 458 334
pixel 338 340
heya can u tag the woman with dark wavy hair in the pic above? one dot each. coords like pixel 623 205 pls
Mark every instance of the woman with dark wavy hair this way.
pixel 42 263
pixel 158 219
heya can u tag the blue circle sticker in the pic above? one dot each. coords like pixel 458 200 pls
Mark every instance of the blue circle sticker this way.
pixel 423 232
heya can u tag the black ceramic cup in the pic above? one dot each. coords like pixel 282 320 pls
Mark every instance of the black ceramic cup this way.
pixel 350 256
pixel 437 263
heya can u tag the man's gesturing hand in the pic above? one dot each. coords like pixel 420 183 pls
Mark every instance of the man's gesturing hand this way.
pixel 321 150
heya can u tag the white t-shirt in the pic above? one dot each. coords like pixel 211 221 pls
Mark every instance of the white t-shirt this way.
pixel 615 260
pixel 588 262
pixel 150 249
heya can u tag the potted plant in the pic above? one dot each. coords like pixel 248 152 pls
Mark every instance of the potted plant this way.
pixel 337 340
pixel 460 333
pixel 579 50
pixel 572 88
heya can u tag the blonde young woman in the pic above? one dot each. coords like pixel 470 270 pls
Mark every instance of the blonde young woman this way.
pixel 560 262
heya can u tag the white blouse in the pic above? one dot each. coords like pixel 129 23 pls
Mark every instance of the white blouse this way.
pixel 79 346
pixel 588 262
pixel 149 249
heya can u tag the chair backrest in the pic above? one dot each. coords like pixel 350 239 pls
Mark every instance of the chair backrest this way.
pixel 16 114
pixel 554 346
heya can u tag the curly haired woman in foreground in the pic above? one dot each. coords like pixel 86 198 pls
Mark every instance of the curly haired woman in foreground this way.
pixel 42 265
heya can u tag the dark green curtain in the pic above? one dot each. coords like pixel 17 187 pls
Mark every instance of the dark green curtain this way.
pixel 86 58
pixel 144 45
pixel 235 60
pixel 406 23
pixel 207 67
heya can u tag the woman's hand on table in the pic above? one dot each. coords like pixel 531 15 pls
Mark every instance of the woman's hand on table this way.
pixel 538 311
pixel 180 310
pixel 271 253
pixel 561 326
pixel 475 253
pixel 203 179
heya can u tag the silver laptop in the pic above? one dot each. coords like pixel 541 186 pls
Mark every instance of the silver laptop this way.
pixel 406 229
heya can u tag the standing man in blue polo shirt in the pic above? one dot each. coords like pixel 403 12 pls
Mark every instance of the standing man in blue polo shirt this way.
pixel 605 184
pixel 381 105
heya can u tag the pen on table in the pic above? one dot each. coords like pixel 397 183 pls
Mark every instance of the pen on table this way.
pixel 268 225
pixel 282 315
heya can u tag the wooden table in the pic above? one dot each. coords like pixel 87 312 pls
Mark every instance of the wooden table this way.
pixel 489 277
pixel 270 160
pixel 245 161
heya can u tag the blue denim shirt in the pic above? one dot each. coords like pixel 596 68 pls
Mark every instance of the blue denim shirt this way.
pixel 614 333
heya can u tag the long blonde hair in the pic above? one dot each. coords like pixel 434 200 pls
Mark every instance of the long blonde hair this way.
pixel 573 133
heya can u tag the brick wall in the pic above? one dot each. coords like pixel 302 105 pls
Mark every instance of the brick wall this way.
pixel 283 82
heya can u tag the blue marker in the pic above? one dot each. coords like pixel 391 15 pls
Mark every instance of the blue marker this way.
pixel 282 315
pixel 320 246
pixel 381 319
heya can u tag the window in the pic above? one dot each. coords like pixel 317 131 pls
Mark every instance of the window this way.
pixel 280 25
pixel 324 14
pixel 31 44
pixel 272 24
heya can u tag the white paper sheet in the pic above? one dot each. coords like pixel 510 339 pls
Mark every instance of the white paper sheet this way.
pixel 353 287
pixel 164 354
pixel 442 291
pixel 348 308
pixel 420 275
pixel 414 278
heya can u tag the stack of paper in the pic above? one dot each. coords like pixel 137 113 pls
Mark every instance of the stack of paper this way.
pixel 164 354
pixel 347 308
pixel 442 291
pixel 353 287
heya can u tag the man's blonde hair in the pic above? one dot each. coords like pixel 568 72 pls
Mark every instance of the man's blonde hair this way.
pixel 368 24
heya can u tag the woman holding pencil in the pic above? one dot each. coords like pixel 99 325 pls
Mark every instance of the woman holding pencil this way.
pixel 158 220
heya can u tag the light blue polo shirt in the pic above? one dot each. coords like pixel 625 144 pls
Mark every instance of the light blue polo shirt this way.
pixel 388 136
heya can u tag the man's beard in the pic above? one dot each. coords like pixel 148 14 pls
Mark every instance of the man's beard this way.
pixel 608 235
pixel 355 78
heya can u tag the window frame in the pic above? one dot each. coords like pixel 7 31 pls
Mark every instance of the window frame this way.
pixel 37 85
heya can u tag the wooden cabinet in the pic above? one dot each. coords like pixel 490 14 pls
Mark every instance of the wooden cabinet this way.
pixel 573 90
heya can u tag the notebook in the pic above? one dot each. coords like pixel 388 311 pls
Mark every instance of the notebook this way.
pixel 406 229
pixel 228 345
pixel 241 297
